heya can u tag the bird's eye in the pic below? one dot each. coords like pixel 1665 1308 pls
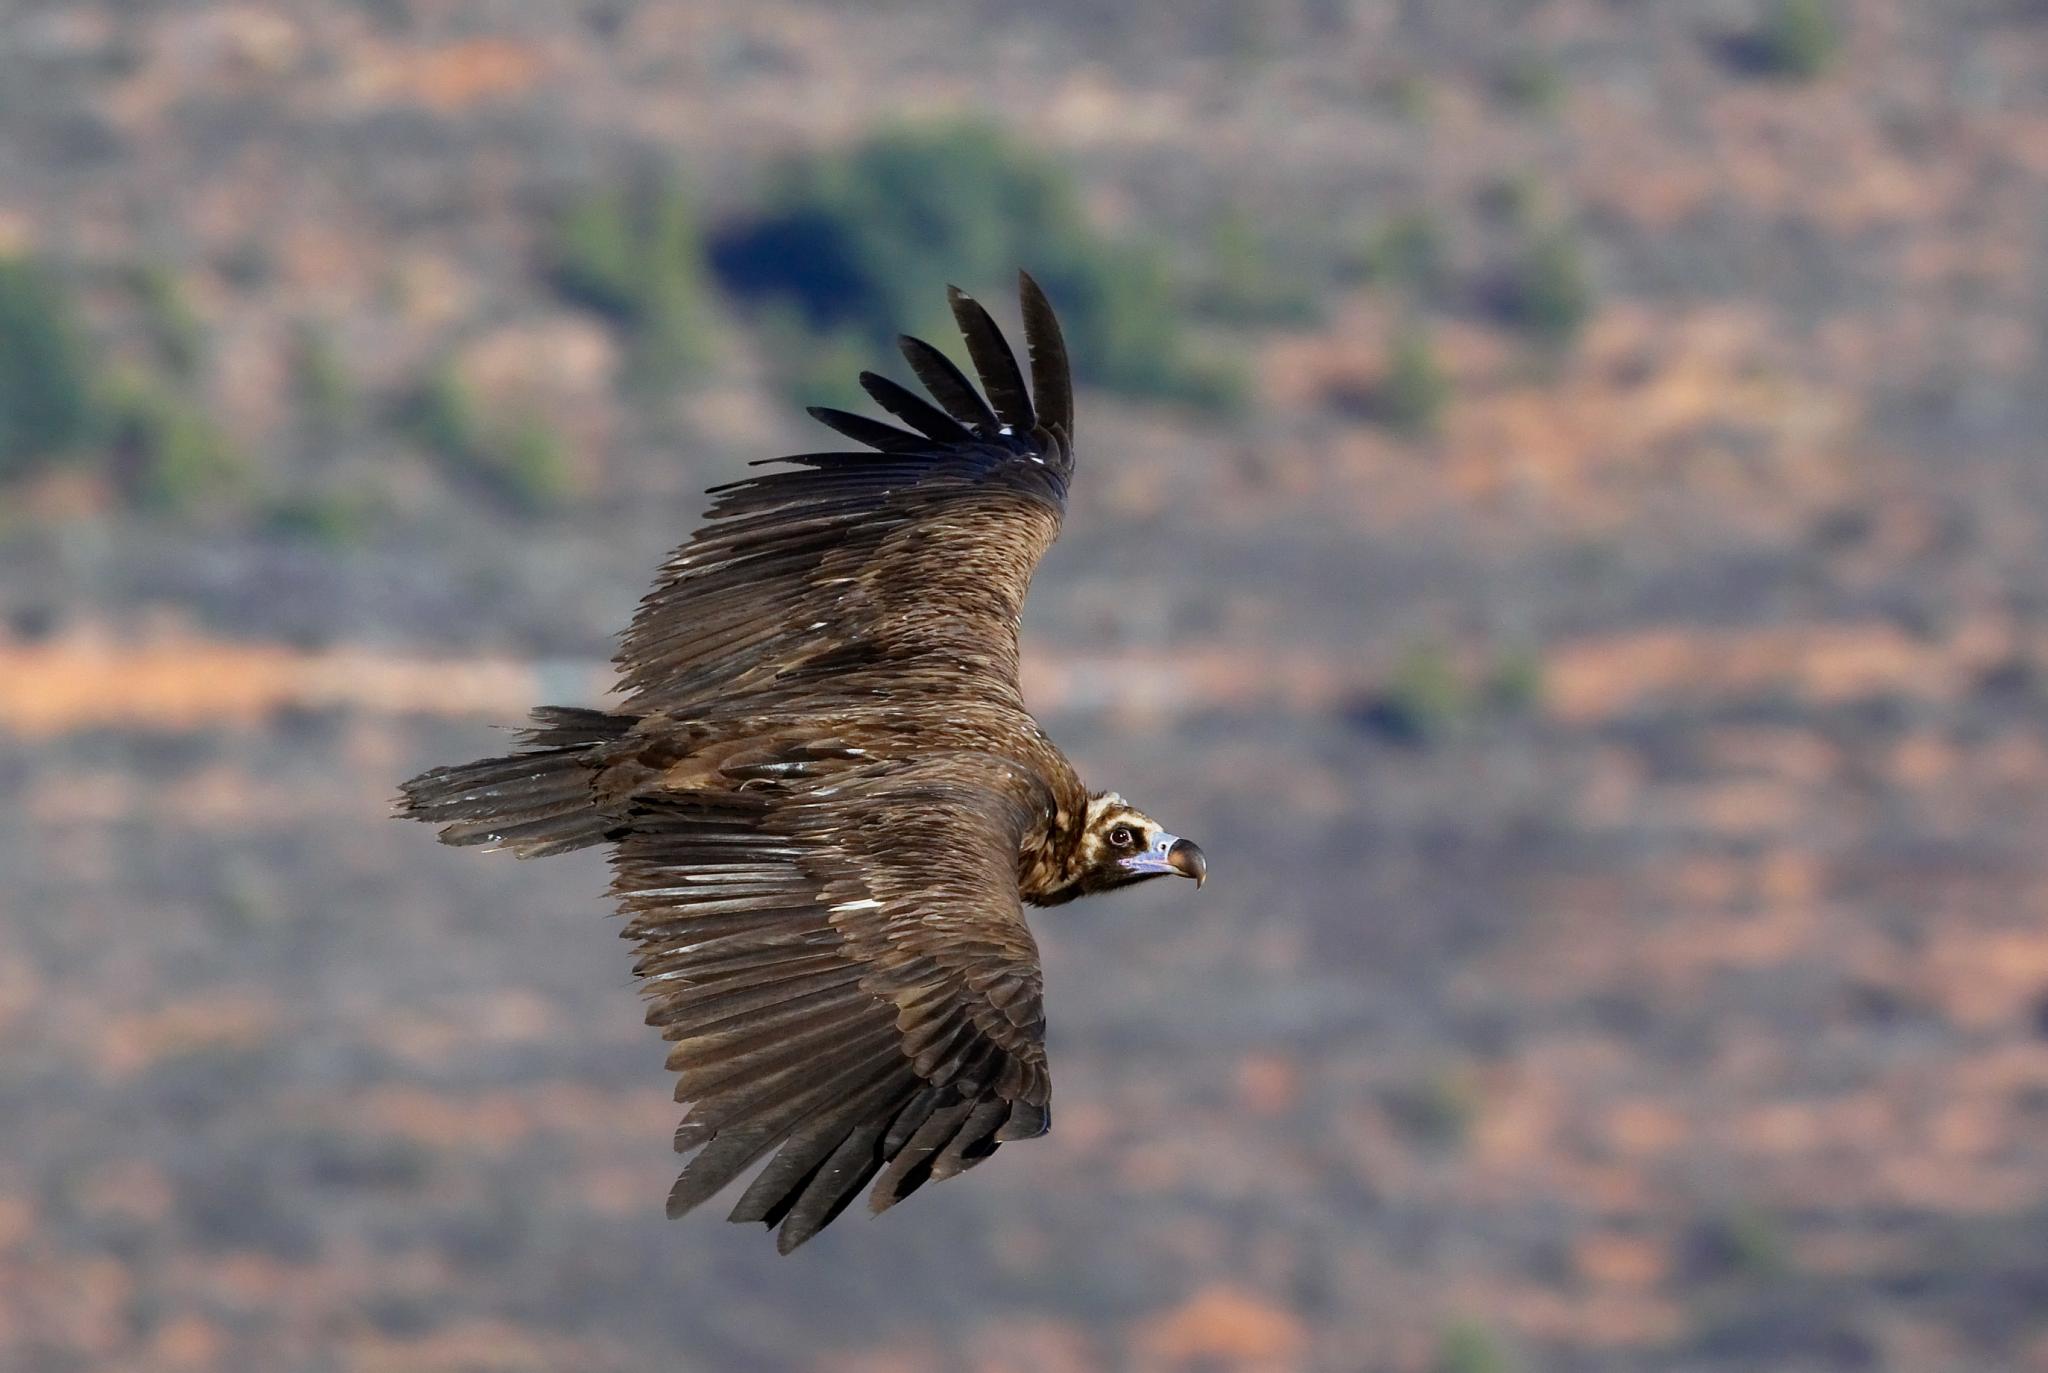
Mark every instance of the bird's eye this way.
pixel 1121 837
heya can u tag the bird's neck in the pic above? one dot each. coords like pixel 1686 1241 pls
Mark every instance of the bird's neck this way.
pixel 1049 860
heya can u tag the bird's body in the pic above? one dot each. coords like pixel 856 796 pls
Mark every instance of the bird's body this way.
pixel 828 803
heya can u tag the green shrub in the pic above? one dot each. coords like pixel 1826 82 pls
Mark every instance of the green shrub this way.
pixel 1412 397
pixel 46 368
pixel 1209 383
pixel 1125 331
pixel 337 519
pixel 1423 701
pixel 1547 292
pixel 1405 252
pixel 1247 282
pixel 1745 1242
pixel 1797 40
pixel 321 387
pixel 1516 199
pixel 530 464
pixel 1515 685
pixel 1532 82
pixel 596 257
pixel 633 254
pixel 1436 1110
pixel 442 416
pixel 1469 1347
pixel 858 239
pixel 168 456
pixel 524 462
pixel 176 334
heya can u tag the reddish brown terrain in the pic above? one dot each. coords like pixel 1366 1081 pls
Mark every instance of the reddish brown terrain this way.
pixel 1625 778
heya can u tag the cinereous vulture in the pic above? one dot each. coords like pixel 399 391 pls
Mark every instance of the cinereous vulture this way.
pixel 826 802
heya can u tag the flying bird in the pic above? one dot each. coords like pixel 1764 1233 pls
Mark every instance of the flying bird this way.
pixel 826 802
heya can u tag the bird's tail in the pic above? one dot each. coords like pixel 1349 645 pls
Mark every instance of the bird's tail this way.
pixel 537 801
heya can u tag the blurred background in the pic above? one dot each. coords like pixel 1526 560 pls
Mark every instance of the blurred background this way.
pixel 1561 520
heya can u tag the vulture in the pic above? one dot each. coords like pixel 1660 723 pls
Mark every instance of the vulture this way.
pixel 826 803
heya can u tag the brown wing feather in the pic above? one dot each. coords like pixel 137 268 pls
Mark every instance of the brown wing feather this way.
pixel 844 993
pixel 916 555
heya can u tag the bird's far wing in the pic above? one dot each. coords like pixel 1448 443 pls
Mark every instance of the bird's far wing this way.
pixel 918 551
pixel 848 979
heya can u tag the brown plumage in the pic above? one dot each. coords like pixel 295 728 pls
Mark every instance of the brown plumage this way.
pixel 827 802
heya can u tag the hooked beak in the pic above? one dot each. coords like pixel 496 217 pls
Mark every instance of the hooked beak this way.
pixel 1169 853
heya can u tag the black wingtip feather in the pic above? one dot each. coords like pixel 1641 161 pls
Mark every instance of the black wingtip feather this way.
pixel 997 365
pixel 861 429
pixel 914 410
pixel 948 384
pixel 1052 380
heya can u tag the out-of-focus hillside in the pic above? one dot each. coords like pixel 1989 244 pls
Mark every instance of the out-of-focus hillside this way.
pixel 1561 521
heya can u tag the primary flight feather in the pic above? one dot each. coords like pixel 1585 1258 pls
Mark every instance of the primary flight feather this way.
pixel 826 801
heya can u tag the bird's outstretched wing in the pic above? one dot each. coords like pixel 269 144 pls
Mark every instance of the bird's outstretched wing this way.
pixel 848 980
pixel 915 553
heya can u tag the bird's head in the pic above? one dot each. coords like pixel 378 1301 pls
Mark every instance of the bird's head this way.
pixel 1120 845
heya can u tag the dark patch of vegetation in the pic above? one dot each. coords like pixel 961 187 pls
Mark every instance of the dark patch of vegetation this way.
pixel 633 254
pixel 1796 40
pixel 1423 702
pixel 524 463
pixel 1406 252
pixel 46 368
pixel 1516 200
pixel 323 392
pixel 240 1204
pixel 143 427
pixel 1743 1243
pixel 1412 396
pixel 337 519
pixel 529 464
pixel 1427 700
pixel 363 1163
pixel 1514 685
pixel 1248 282
pixel 854 240
pixel 1435 1110
pixel 1466 1346
pixel 167 455
pixel 1531 82
pixel 442 416
pixel 176 334
pixel 1545 291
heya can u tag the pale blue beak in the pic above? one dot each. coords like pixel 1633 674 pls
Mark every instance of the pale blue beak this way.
pixel 1168 854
